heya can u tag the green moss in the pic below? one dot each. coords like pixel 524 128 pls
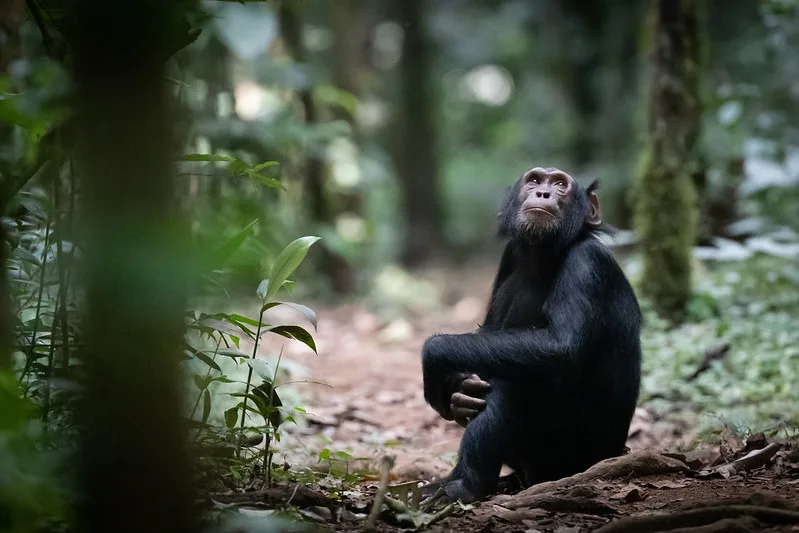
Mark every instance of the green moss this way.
pixel 666 221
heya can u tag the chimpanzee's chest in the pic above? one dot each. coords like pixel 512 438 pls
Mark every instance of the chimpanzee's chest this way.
pixel 519 303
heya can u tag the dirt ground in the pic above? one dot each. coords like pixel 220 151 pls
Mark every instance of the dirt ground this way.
pixel 363 395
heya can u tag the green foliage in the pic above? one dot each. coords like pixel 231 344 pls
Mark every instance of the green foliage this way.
pixel 754 307
pixel 220 335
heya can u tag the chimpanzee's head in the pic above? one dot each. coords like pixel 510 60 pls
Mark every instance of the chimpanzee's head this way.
pixel 547 205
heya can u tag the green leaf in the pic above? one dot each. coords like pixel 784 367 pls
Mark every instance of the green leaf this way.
pixel 287 262
pixel 24 255
pixel 202 382
pixel 231 417
pixel 261 368
pixel 205 358
pixel 206 405
pixel 265 164
pixel 209 324
pixel 307 311
pixel 237 319
pixel 295 332
pixel 266 180
pixel 232 352
pixel 231 246
pixel 208 158
pixel 262 287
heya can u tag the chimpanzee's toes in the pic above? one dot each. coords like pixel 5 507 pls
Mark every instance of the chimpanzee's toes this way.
pixel 457 490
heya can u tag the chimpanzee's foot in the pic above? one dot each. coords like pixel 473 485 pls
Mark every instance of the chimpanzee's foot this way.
pixel 432 488
pixel 458 490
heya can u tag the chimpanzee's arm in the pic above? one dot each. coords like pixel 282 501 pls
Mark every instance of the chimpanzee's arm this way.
pixel 506 267
pixel 520 353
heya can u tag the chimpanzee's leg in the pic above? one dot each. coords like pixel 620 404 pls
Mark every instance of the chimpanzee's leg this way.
pixel 483 450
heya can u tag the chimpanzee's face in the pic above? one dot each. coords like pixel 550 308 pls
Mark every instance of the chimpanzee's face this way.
pixel 543 196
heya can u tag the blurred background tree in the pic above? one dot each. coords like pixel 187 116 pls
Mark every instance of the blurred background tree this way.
pixel 390 129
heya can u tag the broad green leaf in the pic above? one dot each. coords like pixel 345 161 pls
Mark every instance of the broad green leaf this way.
pixel 238 167
pixel 206 405
pixel 24 255
pixel 231 417
pixel 265 164
pixel 287 262
pixel 295 332
pixel 262 287
pixel 261 368
pixel 266 180
pixel 232 352
pixel 269 401
pixel 205 358
pixel 214 324
pixel 307 311
pixel 235 317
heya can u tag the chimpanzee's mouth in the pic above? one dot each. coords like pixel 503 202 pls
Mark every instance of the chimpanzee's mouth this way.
pixel 540 210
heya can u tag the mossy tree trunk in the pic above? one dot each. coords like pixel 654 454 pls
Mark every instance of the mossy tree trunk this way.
pixel 666 199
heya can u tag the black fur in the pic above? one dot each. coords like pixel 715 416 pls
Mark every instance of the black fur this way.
pixel 560 345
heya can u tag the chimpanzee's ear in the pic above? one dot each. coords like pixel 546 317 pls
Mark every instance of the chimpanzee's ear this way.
pixel 594 212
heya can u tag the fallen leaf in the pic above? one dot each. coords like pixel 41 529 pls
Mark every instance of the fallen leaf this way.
pixel 631 493
pixel 757 441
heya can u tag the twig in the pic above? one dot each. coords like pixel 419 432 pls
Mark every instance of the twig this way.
pixel 714 353
pixel 386 463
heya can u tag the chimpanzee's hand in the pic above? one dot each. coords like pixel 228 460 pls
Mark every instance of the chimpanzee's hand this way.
pixel 469 398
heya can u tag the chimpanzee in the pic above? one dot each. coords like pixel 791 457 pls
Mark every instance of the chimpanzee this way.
pixel 559 350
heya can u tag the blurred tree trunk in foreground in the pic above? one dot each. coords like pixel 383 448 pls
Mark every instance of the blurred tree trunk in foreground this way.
pixel 666 202
pixel 416 147
pixel 12 13
pixel 333 265
pixel 133 447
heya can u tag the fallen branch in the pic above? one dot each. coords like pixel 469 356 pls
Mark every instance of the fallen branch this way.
pixel 697 517
pixel 745 524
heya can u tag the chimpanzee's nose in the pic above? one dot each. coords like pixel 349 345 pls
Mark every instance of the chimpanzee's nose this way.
pixel 542 194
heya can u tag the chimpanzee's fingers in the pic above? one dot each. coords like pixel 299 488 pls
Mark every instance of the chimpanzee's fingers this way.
pixel 463 413
pixel 474 386
pixel 464 401
pixel 462 422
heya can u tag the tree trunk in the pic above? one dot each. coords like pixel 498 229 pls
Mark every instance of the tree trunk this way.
pixel 333 265
pixel 666 203
pixel 415 154
pixel 12 13
pixel 133 445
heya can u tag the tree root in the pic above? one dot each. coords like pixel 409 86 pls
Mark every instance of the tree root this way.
pixel 631 465
pixel 691 519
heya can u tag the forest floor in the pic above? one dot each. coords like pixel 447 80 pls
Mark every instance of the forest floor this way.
pixel 364 400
